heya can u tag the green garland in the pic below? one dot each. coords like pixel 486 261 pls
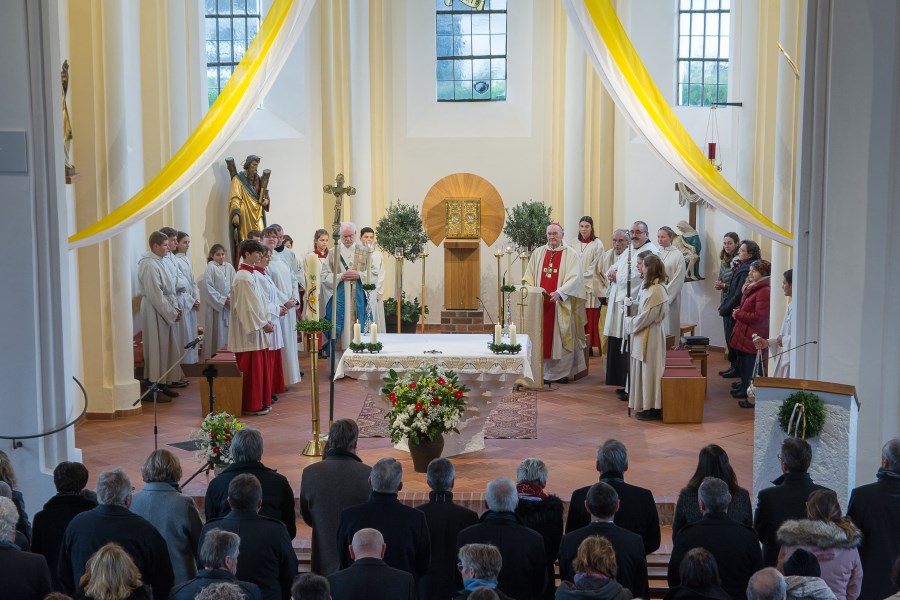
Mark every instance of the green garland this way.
pixel 507 289
pixel 815 413
pixel 313 325
pixel 366 347
pixel 504 348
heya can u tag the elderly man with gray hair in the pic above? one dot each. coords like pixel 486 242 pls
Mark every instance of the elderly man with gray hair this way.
pixel 479 566
pixel 277 495
pixel 369 576
pixel 346 283
pixel 637 507
pixel 767 584
pixel 524 575
pixel 24 575
pixel 112 521
pixel 734 546
pixel 404 528
pixel 540 511
pixel 219 557
pixel 875 509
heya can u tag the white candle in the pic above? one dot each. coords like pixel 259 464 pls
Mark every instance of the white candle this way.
pixel 512 334
pixel 497 333
pixel 356 332
pixel 373 333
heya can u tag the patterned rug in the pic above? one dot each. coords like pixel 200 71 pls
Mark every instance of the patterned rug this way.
pixel 514 419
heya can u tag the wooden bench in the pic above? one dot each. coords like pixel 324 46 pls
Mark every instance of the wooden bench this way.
pixel 683 395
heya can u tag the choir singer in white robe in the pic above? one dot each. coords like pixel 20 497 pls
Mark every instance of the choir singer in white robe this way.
pixel 189 298
pixel 673 261
pixel 285 281
pixel 648 340
pixel 556 268
pixel 377 276
pixel 215 301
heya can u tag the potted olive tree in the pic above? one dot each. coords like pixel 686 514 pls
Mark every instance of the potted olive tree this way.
pixel 400 233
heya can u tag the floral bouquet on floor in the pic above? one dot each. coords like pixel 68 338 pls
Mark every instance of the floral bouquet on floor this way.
pixel 214 438
pixel 425 403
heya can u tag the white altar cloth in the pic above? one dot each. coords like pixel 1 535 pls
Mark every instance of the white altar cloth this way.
pixel 489 376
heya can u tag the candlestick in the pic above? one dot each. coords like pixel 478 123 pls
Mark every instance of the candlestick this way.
pixel 356 332
pixel 373 334
pixel 512 334
pixel 497 334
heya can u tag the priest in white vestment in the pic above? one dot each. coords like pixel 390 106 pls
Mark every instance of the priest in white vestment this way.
pixel 280 271
pixel 607 260
pixel 348 295
pixel 159 313
pixel 617 364
pixel 648 341
pixel 676 268
pixel 781 345
pixel 376 275
pixel 556 268
pixel 215 301
pixel 590 249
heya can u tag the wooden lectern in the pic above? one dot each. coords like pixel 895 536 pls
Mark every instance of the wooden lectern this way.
pixel 834 449
pixel 528 312
pixel 228 384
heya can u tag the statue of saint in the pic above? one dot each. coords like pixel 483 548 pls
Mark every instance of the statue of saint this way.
pixel 689 244
pixel 248 202
pixel 67 124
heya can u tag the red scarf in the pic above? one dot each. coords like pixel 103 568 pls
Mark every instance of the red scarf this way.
pixel 245 267
pixel 320 255
pixel 529 489
pixel 584 241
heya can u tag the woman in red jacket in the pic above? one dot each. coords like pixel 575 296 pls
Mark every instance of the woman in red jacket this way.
pixel 751 317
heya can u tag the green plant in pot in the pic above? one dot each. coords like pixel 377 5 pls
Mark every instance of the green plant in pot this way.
pixel 526 225
pixel 409 314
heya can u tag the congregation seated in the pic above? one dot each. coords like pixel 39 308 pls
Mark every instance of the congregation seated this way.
pixel 602 503
pixel 112 521
pixel 766 584
pixel 404 528
pixel 525 573
pixel 480 566
pixel 803 577
pixel 110 574
pixel 734 545
pixel 23 574
pixel 309 586
pixel 699 578
pixel 540 511
pixel 369 577
pixel 445 520
pixel 595 573
pixel 173 514
pixel 340 480
pixel 712 462
pixel 277 496
pixel 267 558
pixel 19 539
pixel 70 479
pixel 637 508
pixel 219 558
pixel 8 476
pixel 221 591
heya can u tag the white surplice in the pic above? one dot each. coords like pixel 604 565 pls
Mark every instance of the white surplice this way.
pixel 673 260
pixel 782 366
pixel 279 270
pixel 618 289
pixel 249 314
pixel 188 295
pixel 215 287
pixel 159 311
pixel 648 348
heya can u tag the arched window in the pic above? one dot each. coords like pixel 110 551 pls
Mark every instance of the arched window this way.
pixel 704 33
pixel 471 50
pixel 230 27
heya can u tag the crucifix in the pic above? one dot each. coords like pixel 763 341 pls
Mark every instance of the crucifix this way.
pixel 549 270
pixel 338 190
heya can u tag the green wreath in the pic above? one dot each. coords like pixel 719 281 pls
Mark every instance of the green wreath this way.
pixel 815 413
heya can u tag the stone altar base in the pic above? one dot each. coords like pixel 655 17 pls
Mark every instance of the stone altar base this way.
pixel 464 321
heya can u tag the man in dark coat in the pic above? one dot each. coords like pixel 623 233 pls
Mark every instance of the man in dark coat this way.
pixel 524 574
pixel 23 575
pixel 339 481
pixel 219 557
pixel 277 495
pixel 787 500
pixel 602 503
pixel 540 512
pixel 369 576
pixel 875 508
pixel 637 506
pixel 267 557
pixel 111 521
pixel 50 524
pixel 445 520
pixel 734 546
pixel 404 528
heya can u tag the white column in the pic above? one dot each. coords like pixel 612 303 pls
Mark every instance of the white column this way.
pixel 360 119
pixel 573 170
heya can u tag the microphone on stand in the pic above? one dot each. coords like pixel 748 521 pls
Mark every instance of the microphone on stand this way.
pixel 485 310
pixel 794 348
pixel 193 343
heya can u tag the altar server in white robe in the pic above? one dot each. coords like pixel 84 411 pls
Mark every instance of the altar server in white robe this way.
pixel 189 298
pixel 606 262
pixel 276 311
pixel 180 287
pixel 288 297
pixel 648 340
pixel 617 364
pixel 349 297
pixel 781 344
pixel 215 301
pixel 673 261
pixel 590 249
pixel 159 313
pixel 376 275
pixel 556 268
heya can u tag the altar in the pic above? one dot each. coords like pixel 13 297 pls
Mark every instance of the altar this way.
pixel 489 376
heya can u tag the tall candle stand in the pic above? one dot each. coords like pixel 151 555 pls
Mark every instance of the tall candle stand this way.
pixel 507 278
pixel 316 446
pixel 498 254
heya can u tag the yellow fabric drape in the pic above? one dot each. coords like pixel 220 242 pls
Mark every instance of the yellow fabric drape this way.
pixel 558 116
pixel 377 103
pixel 599 154
pixel 335 97
pixel 249 83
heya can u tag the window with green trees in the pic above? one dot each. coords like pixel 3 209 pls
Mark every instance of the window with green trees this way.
pixel 230 27
pixel 704 33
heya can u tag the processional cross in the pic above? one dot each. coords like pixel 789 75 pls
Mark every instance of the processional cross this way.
pixel 338 191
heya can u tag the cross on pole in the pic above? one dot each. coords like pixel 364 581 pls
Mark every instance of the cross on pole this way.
pixel 338 191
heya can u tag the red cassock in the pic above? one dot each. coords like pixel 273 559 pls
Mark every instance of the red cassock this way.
pixel 550 282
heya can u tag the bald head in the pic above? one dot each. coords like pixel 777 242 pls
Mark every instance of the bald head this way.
pixel 367 543
pixel 767 584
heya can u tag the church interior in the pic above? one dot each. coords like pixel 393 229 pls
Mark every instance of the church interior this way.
pixel 807 129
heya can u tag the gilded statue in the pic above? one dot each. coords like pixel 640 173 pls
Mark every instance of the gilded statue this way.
pixel 248 201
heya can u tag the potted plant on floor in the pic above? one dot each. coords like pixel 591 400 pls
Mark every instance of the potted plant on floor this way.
pixel 425 404
pixel 409 314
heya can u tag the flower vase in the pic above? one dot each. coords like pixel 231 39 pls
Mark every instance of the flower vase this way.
pixel 218 468
pixel 424 452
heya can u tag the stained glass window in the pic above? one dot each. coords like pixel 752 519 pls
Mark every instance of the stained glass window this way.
pixel 704 33
pixel 230 27
pixel 471 50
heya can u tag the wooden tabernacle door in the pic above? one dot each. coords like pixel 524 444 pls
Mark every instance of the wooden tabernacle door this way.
pixel 461 273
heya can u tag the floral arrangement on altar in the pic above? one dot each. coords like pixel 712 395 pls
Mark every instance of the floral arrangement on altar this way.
pixel 214 437
pixel 425 403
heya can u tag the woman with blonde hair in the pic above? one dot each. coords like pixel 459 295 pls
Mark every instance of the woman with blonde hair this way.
pixel 110 574
pixel 832 538
pixel 595 573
